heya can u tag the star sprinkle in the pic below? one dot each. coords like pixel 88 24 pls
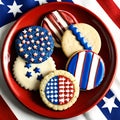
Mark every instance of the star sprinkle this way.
pixel 27 65
pixel 28 74
pixel 37 70
pixel 39 77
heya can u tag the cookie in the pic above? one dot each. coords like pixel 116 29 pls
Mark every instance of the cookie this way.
pixel 59 90
pixel 56 22
pixel 80 36
pixel 88 69
pixel 29 75
pixel 34 44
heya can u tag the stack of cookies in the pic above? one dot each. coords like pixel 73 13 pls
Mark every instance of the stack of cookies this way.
pixel 35 69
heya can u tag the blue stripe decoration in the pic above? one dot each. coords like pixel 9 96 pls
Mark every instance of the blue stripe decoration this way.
pixel 79 37
pixel 72 64
pixel 100 73
pixel 86 70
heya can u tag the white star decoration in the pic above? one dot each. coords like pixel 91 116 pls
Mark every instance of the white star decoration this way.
pixel 14 8
pixel 41 1
pixel 1 3
pixel 109 103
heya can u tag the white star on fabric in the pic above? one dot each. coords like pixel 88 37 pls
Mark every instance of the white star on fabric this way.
pixel 14 8
pixel 109 103
pixel 1 3
pixel 41 1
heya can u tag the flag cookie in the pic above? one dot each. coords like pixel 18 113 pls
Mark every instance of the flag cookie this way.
pixel 80 36
pixel 59 90
pixel 57 22
pixel 34 44
pixel 29 75
pixel 88 69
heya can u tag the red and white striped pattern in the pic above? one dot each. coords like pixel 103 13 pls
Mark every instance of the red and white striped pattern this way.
pixel 66 90
pixel 57 22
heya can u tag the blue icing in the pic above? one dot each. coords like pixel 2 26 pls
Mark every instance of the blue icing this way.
pixel 51 90
pixel 79 37
pixel 86 70
pixel 100 73
pixel 34 46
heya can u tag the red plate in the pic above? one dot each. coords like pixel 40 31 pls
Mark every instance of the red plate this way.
pixel 87 99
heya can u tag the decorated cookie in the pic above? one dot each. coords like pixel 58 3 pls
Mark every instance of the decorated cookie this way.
pixel 29 75
pixel 57 22
pixel 34 44
pixel 88 69
pixel 80 36
pixel 59 90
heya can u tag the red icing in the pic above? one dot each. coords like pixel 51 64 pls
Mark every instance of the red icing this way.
pixel 66 90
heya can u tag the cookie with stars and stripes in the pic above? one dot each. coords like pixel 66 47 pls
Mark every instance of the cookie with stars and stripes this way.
pixel 34 44
pixel 56 22
pixel 29 75
pixel 88 69
pixel 80 36
pixel 59 90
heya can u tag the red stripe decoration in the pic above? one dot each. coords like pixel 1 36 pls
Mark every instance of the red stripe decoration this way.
pixel 111 9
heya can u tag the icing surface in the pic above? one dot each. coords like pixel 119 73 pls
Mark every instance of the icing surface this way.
pixel 59 90
pixel 57 22
pixel 88 69
pixel 79 37
pixel 34 44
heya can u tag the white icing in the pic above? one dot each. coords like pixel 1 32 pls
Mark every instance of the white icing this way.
pixel 93 72
pixel 79 66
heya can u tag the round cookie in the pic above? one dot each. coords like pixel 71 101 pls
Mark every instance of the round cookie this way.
pixel 80 36
pixel 59 90
pixel 35 44
pixel 88 69
pixel 29 75
pixel 57 22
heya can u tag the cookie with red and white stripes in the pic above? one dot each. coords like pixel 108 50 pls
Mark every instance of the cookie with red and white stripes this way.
pixel 59 90
pixel 57 22
pixel 88 69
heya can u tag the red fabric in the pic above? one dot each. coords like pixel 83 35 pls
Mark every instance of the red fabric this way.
pixel 111 9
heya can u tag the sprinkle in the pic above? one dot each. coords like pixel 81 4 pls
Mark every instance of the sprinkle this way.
pixel 37 42
pixel 23 41
pixel 20 45
pixel 48 43
pixel 40 59
pixel 30 36
pixel 42 33
pixel 37 34
pixel 24 31
pixel 30 29
pixel 41 49
pixel 48 48
pixel 29 48
pixel 25 36
pixel 32 59
pixel 26 56
pixel 32 41
pixel 43 44
pixel 28 42
pixel 21 49
pixel 46 38
pixel 21 37
pixel 43 54
pixel 28 74
pixel 35 46
pixel 37 70
pixel 42 39
pixel 35 54
pixel 37 29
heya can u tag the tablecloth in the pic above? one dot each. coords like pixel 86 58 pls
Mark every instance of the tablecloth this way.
pixel 109 12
